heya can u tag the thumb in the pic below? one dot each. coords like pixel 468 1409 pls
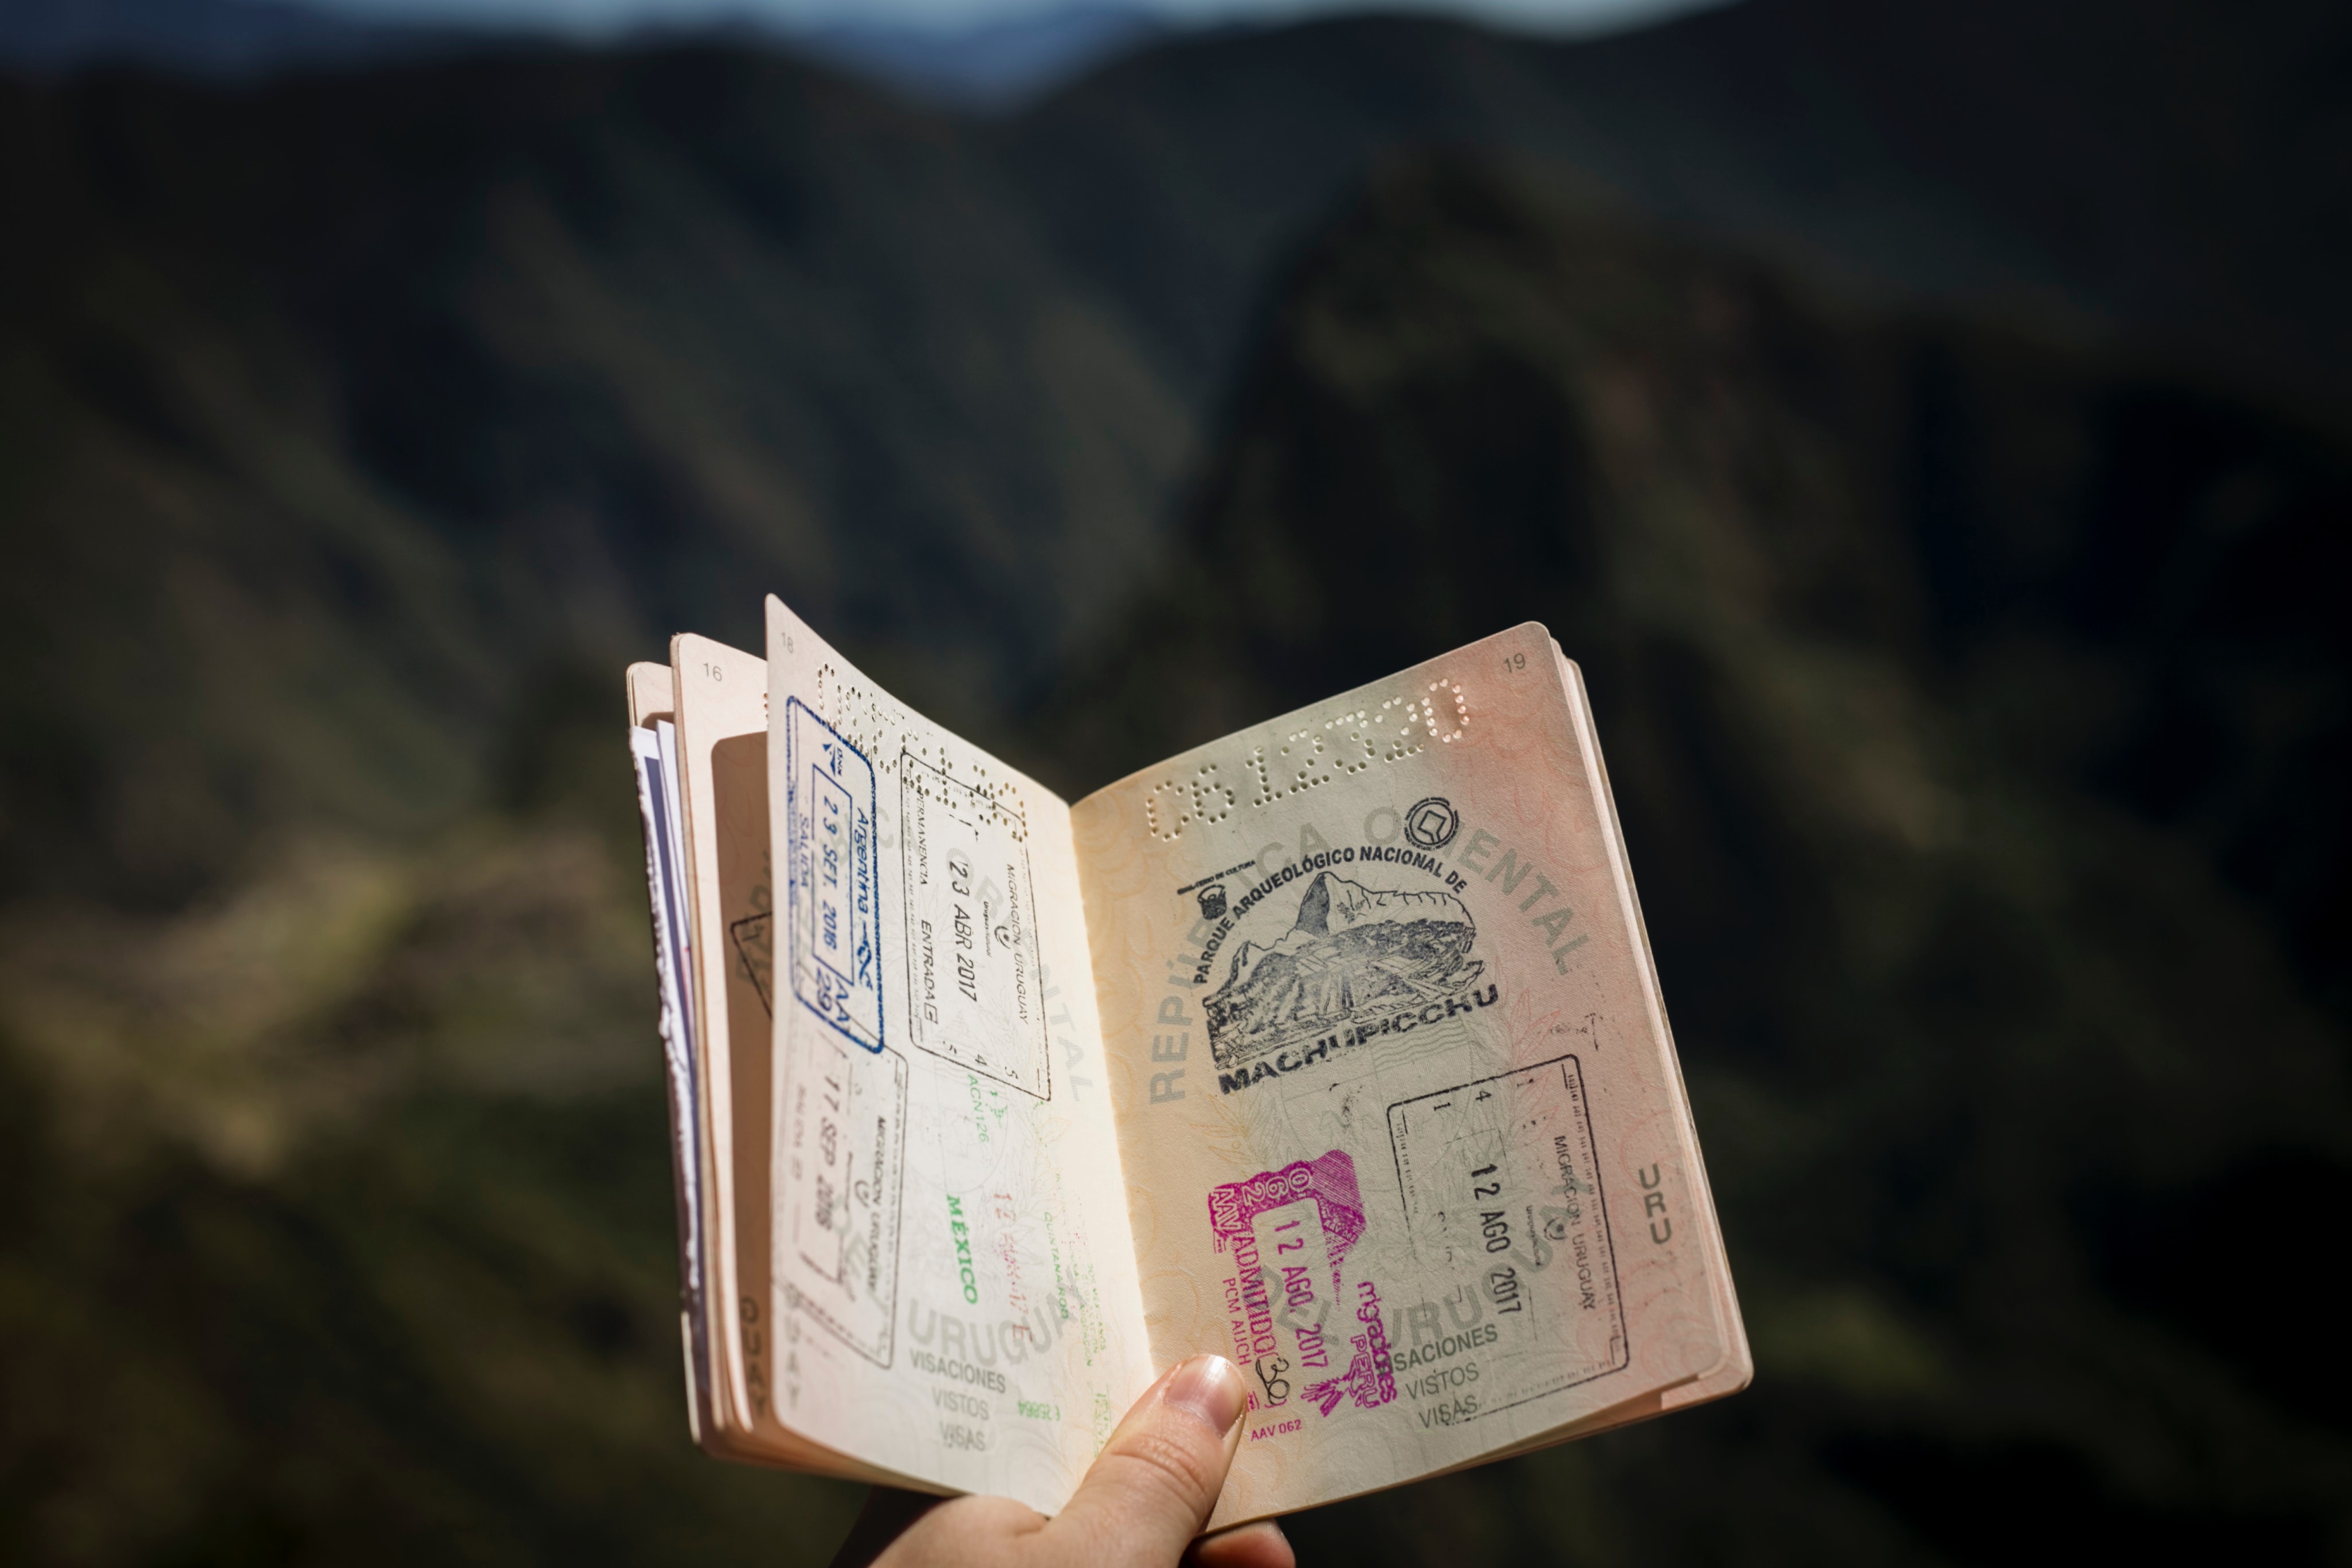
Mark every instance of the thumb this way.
pixel 1154 1484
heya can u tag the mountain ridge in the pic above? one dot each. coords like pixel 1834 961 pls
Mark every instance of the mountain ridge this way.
pixel 226 39
pixel 591 333
pixel 2000 938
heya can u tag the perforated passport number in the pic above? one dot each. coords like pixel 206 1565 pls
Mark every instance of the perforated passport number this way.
pixel 974 990
pixel 1502 1199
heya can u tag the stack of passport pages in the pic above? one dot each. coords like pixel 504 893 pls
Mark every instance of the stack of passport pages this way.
pixel 1334 1047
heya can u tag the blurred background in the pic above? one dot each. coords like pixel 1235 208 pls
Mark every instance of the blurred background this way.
pixel 1929 424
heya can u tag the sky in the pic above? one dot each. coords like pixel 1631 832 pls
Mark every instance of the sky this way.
pixel 595 18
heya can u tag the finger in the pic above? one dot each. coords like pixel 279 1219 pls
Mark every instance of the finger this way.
pixel 1153 1485
pixel 1259 1546
pixel 909 1527
pixel 888 1513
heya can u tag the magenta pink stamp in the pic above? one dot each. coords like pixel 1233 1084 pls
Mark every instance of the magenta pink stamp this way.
pixel 1291 1308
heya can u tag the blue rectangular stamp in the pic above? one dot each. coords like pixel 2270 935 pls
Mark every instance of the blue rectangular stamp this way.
pixel 834 888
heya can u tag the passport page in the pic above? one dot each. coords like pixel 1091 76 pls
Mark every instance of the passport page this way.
pixel 721 701
pixel 953 1271
pixel 651 714
pixel 1404 1128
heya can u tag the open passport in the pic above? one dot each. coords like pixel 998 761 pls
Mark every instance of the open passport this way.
pixel 1334 1047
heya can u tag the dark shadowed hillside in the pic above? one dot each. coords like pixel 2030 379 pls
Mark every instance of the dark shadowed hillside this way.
pixel 428 380
pixel 222 37
pixel 2175 171
pixel 1980 730
pixel 390 389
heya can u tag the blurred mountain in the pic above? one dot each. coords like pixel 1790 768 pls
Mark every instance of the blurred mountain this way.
pixel 208 38
pixel 2174 169
pixel 519 360
pixel 989 64
pixel 1926 423
pixel 984 65
pixel 394 387
pixel 1982 735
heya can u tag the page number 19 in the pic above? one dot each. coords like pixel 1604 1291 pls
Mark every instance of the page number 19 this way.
pixel 1515 662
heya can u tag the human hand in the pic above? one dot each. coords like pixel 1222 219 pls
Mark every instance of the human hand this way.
pixel 1141 1506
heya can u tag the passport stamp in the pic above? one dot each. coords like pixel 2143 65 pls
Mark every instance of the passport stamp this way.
pixel 975 991
pixel 1293 1312
pixel 834 880
pixel 1502 1198
pixel 844 1135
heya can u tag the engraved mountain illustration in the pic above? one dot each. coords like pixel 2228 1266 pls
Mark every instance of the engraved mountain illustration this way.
pixel 1353 953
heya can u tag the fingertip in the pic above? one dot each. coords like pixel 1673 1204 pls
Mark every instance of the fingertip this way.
pixel 1156 1482
pixel 1209 1388
pixel 1259 1546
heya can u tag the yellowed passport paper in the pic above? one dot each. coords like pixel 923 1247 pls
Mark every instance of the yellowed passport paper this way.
pixel 1335 1047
